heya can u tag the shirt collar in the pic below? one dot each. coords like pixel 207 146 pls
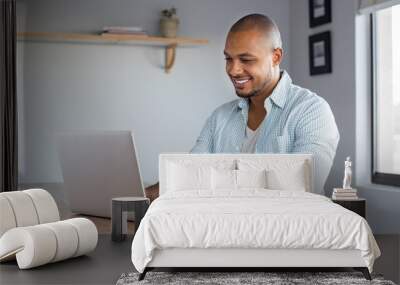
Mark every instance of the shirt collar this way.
pixel 278 95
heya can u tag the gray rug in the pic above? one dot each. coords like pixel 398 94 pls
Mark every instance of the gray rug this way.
pixel 269 278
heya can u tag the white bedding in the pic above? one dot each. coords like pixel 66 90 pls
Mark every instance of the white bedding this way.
pixel 251 218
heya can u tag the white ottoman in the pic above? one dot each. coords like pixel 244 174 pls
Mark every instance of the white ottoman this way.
pixel 31 232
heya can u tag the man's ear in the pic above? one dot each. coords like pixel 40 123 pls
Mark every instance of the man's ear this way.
pixel 277 55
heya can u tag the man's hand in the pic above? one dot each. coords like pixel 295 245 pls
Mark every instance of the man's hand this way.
pixel 152 191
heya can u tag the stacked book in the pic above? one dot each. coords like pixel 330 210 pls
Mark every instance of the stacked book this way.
pixel 119 30
pixel 344 194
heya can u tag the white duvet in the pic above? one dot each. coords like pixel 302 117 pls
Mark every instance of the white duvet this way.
pixel 250 219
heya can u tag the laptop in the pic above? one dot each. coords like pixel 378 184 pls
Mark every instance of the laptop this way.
pixel 98 166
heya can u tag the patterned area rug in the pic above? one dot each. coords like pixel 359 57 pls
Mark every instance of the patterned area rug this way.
pixel 269 278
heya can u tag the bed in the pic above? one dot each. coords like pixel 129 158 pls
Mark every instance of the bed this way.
pixel 246 211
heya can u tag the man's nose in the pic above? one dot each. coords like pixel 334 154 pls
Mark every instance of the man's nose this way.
pixel 235 68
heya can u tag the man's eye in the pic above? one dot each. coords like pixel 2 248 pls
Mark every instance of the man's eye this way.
pixel 246 60
pixel 228 58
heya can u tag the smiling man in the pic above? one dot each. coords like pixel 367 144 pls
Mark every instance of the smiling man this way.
pixel 272 115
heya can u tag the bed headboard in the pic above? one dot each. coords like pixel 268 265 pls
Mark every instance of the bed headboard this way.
pixel 274 161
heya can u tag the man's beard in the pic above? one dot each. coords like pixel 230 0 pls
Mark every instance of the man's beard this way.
pixel 248 95
pixel 253 93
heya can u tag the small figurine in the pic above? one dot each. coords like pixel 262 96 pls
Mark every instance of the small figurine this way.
pixel 347 174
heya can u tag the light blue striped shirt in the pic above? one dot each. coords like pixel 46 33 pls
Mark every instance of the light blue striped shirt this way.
pixel 297 121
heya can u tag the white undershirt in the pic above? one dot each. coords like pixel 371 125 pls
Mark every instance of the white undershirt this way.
pixel 249 143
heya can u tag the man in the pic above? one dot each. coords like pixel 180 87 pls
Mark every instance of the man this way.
pixel 272 115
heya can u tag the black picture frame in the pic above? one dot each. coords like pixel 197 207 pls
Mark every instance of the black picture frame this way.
pixel 320 12
pixel 320 53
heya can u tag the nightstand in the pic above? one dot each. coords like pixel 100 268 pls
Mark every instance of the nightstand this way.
pixel 358 206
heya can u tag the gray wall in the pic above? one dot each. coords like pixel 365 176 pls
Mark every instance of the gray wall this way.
pixel 66 87
pixel 338 88
pixel 347 90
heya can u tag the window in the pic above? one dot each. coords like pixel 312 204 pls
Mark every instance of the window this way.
pixel 386 96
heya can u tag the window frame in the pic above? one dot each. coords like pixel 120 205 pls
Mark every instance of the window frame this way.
pixel 377 177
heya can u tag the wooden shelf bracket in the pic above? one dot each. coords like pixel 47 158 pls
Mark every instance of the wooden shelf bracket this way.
pixel 170 53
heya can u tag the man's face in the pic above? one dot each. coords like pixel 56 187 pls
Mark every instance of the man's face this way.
pixel 250 60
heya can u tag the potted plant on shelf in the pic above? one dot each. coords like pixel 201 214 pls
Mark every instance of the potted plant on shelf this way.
pixel 169 23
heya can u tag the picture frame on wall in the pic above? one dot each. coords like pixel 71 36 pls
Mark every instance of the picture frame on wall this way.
pixel 320 53
pixel 319 12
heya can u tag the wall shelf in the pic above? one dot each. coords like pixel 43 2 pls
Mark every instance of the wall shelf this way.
pixel 170 44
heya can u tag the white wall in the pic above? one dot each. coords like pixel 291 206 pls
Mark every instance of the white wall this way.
pixel 81 87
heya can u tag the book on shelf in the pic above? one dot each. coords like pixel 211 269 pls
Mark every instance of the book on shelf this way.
pixel 122 33
pixel 344 194
pixel 123 28
pixel 345 198
pixel 119 30
pixel 341 190
pixel 337 196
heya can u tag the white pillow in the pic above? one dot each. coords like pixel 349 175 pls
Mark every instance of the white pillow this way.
pixel 251 178
pixel 237 179
pixel 182 177
pixel 282 174
pixel 292 179
pixel 187 174
pixel 223 179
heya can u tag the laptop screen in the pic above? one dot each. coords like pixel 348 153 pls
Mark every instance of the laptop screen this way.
pixel 98 166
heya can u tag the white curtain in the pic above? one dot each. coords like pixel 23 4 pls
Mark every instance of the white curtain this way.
pixel 369 6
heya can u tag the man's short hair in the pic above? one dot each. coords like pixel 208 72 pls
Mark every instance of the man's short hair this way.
pixel 261 22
